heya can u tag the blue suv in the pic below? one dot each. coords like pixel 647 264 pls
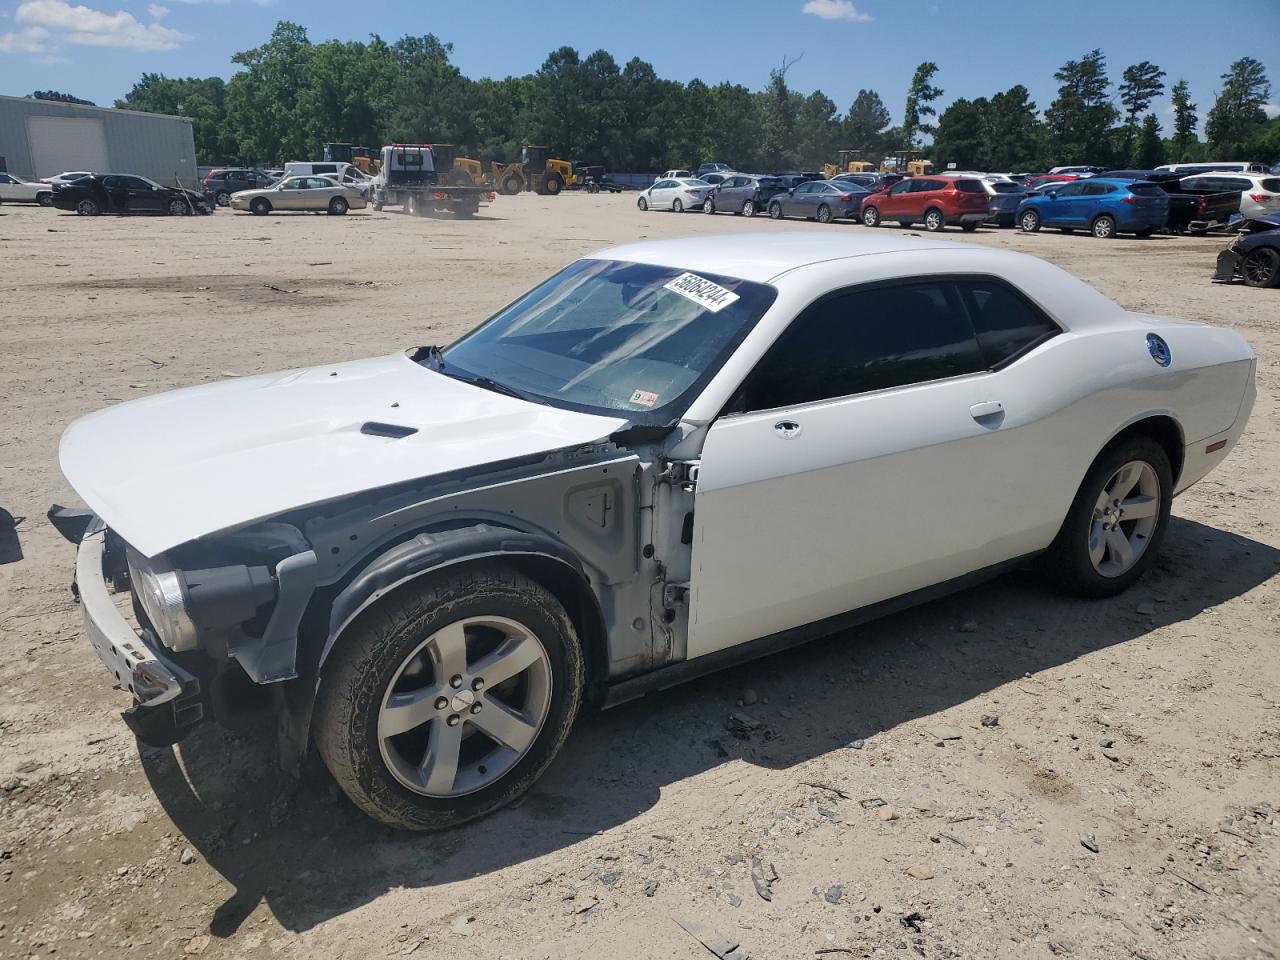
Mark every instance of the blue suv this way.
pixel 1103 206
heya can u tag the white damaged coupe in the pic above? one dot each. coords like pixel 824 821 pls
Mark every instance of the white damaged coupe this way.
pixel 666 458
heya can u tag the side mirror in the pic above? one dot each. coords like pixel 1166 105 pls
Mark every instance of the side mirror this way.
pixel 1053 194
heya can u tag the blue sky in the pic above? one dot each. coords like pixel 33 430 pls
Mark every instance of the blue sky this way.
pixel 96 49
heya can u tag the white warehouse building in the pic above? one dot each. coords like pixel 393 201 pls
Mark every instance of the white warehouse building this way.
pixel 42 138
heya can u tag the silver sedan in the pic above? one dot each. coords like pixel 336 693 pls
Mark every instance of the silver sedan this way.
pixel 317 194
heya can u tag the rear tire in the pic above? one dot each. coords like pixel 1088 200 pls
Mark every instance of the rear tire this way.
pixel 968 227
pixel 749 208
pixel 870 217
pixel 1104 227
pixel 552 185
pixel 1145 232
pixel 44 199
pixel 677 205
pixel 512 185
pixel 261 206
pixel 1082 557
pixel 433 773
pixel 222 198
pixel 338 206
pixel 1261 268
pixel 934 221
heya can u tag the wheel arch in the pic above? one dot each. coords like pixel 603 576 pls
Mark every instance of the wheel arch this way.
pixel 1164 430
pixel 335 611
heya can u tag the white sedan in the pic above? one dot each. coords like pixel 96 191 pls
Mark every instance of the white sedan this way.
pixel 674 193
pixel 667 458
pixel 16 189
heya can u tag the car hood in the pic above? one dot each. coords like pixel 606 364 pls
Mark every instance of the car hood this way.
pixel 170 468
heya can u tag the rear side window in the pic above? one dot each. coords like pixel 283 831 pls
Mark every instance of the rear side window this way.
pixel 926 186
pixel 1145 190
pixel 1005 321
pixel 862 340
pixel 970 186
pixel 1003 186
pixel 1099 189
pixel 1270 184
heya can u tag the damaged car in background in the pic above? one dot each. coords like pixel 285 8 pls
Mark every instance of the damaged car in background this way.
pixel 1253 254
pixel 667 458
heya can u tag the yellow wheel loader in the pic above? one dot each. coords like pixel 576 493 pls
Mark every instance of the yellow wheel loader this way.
pixel 536 172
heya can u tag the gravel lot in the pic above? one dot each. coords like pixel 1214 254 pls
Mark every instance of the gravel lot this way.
pixel 896 820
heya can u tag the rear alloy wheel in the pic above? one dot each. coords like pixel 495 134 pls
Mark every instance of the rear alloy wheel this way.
pixel 870 217
pixel 87 208
pixel 775 211
pixel 824 214
pixel 452 699
pixel 677 205
pixel 44 199
pixel 1029 221
pixel 1145 232
pixel 969 227
pixel 708 206
pixel 749 208
pixel 934 220
pixel 223 198
pixel 1116 521
pixel 261 206
pixel 338 206
pixel 178 208
pixel 1104 228
pixel 1261 268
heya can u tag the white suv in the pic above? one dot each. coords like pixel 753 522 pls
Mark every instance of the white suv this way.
pixel 1259 192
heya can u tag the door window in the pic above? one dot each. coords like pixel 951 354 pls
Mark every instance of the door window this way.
pixel 1006 322
pixel 865 339
pixel 926 186
pixel 1070 190
pixel 1099 189
pixel 5 178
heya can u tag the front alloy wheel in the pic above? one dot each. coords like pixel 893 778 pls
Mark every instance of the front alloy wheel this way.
pixel 449 699
pixel 1030 221
pixel 775 211
pixel 870 217
pixel 708 206
pixel 1261 268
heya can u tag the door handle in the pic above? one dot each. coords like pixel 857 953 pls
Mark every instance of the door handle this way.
pixel 786 429
pixel 987 412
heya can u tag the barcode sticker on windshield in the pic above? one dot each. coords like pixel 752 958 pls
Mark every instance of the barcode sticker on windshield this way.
pixel 702 291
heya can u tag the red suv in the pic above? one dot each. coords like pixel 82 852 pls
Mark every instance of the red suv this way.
pixel 937 201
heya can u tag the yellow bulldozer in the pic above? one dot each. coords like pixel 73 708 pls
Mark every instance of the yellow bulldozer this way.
pixel 534 171
pixel 850 162
pixel 456 171
pixel 363 158
pixel 909 163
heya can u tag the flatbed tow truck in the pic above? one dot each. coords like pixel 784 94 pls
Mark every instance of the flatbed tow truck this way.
pixel 408 179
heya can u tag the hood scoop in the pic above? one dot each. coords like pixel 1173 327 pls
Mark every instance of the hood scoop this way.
pixel 392 431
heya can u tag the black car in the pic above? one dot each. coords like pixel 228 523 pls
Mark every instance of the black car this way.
pixel 123 193
pixel 1254 255
pixel 222 182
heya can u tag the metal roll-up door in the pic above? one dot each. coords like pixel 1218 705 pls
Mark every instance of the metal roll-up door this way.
pixel 66 143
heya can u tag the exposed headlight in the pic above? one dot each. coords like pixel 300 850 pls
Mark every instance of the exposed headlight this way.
pixel 161 591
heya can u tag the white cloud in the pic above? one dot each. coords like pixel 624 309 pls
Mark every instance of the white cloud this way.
pixel 92 28
pixel 30 40
pixel 157 11
pixel 836 10
pixel 1272 110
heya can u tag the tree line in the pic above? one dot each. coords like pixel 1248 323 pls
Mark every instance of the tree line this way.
pixel 292 95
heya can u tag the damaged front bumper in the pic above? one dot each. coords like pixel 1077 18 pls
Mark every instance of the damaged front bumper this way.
pixel 167 698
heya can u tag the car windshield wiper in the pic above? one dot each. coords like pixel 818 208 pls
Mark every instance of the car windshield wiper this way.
pixel 485 383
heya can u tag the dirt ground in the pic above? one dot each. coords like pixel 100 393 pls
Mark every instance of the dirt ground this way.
pixel 1147 726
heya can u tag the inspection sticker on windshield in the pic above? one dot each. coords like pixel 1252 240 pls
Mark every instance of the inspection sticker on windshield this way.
pixel 644 398
pixel 702 291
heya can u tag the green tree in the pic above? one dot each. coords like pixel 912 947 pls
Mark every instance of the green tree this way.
pixel 920 97
pixel 1185 121
pixel 1081 117
pixel 264 101
pixel 1015 135
pixel 429 97
pixel 778 135
pixel 733 138
pixel 818 128
pixel 962 133
pixel 1237 119
pixel 1149 150
pixel 201 99
pixel 59 97
pixel 1141 83
pixel 865 123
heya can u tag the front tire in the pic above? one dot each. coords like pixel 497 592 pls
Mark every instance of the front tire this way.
pixel 1029 221
pixel 178 208
pixel 261 206
pixel 870 217
pixel 338 206
pixel 407 721
pixel 223 198
pixel 87 208
pixel 708 206
pixel 775 211
pixel 642 203
pixel 1116 522
pixel 1104 228
pixel 1261 268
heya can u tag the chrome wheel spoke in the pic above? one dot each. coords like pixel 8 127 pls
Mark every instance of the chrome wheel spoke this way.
pixel 1139 507
pixel 1097 543
pixel 509 727
pixel 1126 479
pixel 514 656
pixel 449 652
pixel 406 711
pixel 439 768
pixel 1120 549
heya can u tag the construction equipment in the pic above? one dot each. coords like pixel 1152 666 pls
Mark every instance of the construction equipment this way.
pixel 536 172
pixel 407 178
pixel 907 162
pixel 364 159
pixel 455 170
pixel 850 162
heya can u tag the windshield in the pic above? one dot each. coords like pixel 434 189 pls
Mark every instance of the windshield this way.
pixel 611 337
